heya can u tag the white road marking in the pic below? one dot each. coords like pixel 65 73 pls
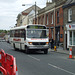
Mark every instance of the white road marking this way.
pixel 33 57
pixel 61 69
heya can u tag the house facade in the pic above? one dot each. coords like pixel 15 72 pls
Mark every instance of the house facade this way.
pixel 52 17
pixel 31 16
pixel 69 23
pixel 25 16
pixel 18 20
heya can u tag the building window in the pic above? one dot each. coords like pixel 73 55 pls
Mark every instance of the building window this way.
pixel 58 33
pixel 43 20
pixel 57 16
pixel 39 20
pixel 52 33
pixel 47 19
pixel 69 14
pixel 72 38
pixel 52 19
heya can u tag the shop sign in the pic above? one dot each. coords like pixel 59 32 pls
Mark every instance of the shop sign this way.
pixel 70 27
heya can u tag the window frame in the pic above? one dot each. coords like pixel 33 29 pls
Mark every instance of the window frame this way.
pixel 69 14
pixel 52 18
pixel 71 39
pixel 57 17
pixel 47 19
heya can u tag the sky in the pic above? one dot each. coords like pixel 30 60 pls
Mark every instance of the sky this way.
pixel 9 9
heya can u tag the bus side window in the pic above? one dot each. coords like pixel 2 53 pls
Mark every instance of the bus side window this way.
pixel 23 33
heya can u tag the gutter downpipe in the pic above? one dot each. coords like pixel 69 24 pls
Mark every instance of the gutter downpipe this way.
pixel 54 27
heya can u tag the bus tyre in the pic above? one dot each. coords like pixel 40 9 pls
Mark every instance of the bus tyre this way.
pixel 45 51
pixel 27 51
pixel 15 47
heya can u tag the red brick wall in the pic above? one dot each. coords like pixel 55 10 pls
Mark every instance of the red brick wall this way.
pixel 60 17
pixel 49 14
pixel 60 22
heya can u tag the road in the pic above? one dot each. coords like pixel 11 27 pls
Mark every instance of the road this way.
pixel 41 64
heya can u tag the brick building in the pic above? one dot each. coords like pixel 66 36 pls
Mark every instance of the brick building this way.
pixel 52 17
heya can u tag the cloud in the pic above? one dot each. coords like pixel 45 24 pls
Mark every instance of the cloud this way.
pixel 9 9
pixel 5 1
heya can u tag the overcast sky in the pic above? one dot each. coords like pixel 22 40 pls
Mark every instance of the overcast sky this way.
pixel 9 9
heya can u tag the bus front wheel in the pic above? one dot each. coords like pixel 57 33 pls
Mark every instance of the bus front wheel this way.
pixel 27 51
pixel 45 51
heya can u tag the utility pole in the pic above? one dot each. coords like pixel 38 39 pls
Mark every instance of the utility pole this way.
pixel 35 12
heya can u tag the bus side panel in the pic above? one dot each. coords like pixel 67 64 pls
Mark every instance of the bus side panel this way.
pixel 17 45
pixel 22 46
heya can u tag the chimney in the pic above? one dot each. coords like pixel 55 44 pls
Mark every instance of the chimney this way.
pixel 54 1
pixel 48 3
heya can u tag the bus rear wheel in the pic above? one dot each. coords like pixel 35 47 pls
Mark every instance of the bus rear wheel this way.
pixel 15 47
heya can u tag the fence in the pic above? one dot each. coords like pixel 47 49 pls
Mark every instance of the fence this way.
pixel 8 64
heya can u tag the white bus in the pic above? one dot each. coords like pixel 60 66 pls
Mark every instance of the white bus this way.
pixel 30 37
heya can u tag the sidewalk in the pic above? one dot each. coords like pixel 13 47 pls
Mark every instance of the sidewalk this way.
pixel 59 51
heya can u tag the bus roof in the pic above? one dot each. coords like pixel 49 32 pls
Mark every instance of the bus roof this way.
pixel 23 27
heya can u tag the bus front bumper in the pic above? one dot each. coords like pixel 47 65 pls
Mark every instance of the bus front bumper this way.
pixel 38 47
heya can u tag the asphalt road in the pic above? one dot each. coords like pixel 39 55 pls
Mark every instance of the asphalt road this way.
pixel 39 63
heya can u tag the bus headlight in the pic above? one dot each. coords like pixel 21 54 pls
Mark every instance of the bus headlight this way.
pixel 30 43
pixel 47 43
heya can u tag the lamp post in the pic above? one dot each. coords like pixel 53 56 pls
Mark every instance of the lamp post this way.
pixel 35 10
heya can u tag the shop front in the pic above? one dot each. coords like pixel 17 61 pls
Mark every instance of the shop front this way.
pixel 70 35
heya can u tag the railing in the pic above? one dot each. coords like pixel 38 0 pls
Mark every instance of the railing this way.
pixel 8 64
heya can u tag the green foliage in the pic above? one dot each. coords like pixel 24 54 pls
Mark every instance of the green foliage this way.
pixel 3 31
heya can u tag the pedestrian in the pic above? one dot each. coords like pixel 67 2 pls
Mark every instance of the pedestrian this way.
pixel 52 43
pixel 49 43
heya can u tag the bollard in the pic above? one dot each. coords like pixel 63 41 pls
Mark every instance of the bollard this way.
pixel 54 48
pixel 70 55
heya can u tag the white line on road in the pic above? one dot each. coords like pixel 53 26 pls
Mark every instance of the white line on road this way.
pixel 33 57
pixel 61 69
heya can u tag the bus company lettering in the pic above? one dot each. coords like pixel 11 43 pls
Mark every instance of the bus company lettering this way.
pixel 16 39
pixel 37 39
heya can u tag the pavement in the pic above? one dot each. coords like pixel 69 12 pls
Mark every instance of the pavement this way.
pixel 59 50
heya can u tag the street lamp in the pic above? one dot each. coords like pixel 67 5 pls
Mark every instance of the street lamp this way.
pixel 23 4
pixel 35 10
